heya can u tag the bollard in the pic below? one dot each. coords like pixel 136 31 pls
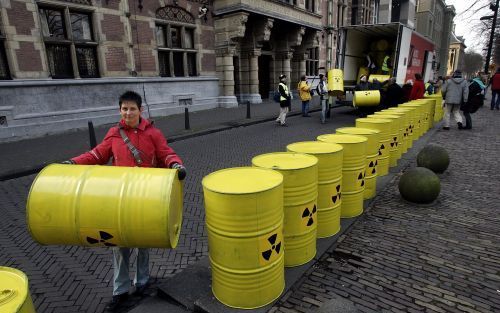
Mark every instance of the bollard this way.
pixel 186 119
pixel 248 110
pixel 92 140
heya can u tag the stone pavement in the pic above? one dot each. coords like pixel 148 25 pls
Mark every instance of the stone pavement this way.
pixel 402 257
pixel 398 257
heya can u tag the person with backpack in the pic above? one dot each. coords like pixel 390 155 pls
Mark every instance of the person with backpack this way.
pixel 495 90
pixel 285 100
pixel 322 91
pixel 474 101
pixel 304 91
pixel 455 91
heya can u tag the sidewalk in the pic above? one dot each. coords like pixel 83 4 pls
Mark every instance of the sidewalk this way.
pixel 30 155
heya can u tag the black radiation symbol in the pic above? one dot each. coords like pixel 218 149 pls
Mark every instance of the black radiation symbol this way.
pixel 104 237
pixel 361 177
pixel 372 166
pixel 405 132
pixel 309 214
pixel 411 129
pixel 337 196
pixel 394 141
pixel 382 147
pixel 274 247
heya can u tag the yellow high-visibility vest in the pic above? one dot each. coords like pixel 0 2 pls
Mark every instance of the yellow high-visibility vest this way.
pixel 385 65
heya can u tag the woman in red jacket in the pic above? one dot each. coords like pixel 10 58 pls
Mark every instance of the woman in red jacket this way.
pixel 418 89
pixel 495 90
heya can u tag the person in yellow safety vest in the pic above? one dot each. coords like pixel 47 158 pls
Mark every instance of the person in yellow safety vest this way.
pixel 429 88
pixel 386 64
pixel 285 100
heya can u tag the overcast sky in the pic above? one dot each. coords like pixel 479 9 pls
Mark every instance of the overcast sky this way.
pixel 467 21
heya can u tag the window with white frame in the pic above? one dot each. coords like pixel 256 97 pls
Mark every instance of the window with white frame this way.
pixel 312 61
pixel 70 44
pixel 4 66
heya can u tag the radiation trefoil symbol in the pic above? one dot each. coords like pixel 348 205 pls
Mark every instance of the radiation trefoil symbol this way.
pixel 382 147
pixel 309 214
pixel 394 142
pixel 361 177
pixel 373 165
pixel 104 237
pixel 276 247
pixel 336 197
pixel 411 129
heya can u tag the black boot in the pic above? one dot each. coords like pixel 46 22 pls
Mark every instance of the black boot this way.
pixel 116 302
pixel 460 126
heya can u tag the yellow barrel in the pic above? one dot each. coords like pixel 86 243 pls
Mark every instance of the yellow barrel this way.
pixel 372 148
pixel 384 126
pixel 425 111
pixel 300 193
pixel 438 106
pixel 353 171
pixel 362 71
pixel 105 206
pixel 405 116
pixel 329 183
pixel 397 130
pixel 14 292
pixel 409 111
pixel 366 98
pixel 381 78
pixel 431 107
pixel 336 81
pixel 418 115
pixel 244 218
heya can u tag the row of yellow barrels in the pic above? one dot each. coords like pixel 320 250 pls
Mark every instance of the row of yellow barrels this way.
pixel 263 218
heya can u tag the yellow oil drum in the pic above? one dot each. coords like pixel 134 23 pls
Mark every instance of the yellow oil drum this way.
pixel 372 148
pixel 381 78
pixel 362 71
pixel 353 171
pixel 384 126
pixel 329 183
pixel 425 111
pixel 418 118
pixel 336 81
pixel 366 98
pixel 405 116
pixel 431 108
pixel 410 126
pixel 438 106
pixel 14 292
pixel 105 206
pixel 300 193
pixel 244 218
pixel 397 134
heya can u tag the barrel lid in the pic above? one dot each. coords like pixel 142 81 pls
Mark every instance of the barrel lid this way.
pixel 242 180
pixel 342 138
pixel 385 115
pixel 373 120
pixel 357 131
pixel 314 147
pixel 13 289
pixel 387 111
pixel 285 160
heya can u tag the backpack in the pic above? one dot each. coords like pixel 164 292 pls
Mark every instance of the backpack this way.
pixel 276 96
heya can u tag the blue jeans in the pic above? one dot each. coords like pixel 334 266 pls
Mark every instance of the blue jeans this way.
pixel 495 104
pixel 305 108
pixel 324 107
pixel 121 278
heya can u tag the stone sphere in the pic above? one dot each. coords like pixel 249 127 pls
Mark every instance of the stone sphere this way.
pixel 419 185
pixel 433 157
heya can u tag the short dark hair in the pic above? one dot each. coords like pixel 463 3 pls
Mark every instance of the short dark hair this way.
pixel 418 76
pixel 321 75
pixel 130 96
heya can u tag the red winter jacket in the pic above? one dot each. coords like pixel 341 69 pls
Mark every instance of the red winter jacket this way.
pixel 418 90
pixel 495 82
pixel 151 143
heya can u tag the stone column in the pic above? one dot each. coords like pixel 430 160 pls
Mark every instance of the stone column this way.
pixel 250 77
pixel 228 30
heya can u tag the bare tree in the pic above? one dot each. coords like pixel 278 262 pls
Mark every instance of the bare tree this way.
pixel 473 62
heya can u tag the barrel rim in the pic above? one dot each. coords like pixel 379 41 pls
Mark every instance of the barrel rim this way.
pixel 273 172
pixel 307 156
pixel 356 138
pixel 362 130
pixel 23 278
pixel 337 147
pixel 373 120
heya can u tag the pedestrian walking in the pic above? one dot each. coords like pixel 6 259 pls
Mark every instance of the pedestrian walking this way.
pixel 322 89
pixel 304 91
pixel 454 91
pixel 285 100
pixel 474 102
pixel 495 90
pixel 134 142
pixel 418 88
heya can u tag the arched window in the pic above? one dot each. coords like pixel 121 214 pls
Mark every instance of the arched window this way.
pixel 175 29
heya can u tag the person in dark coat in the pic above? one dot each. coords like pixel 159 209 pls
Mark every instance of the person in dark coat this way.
pixel 363 84
pixel 474 101
pixel 393 94
pixel 407 90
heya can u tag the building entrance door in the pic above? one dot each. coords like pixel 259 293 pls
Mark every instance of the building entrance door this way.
pixel 264 75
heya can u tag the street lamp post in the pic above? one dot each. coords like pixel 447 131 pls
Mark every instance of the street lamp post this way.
pixel 490 44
